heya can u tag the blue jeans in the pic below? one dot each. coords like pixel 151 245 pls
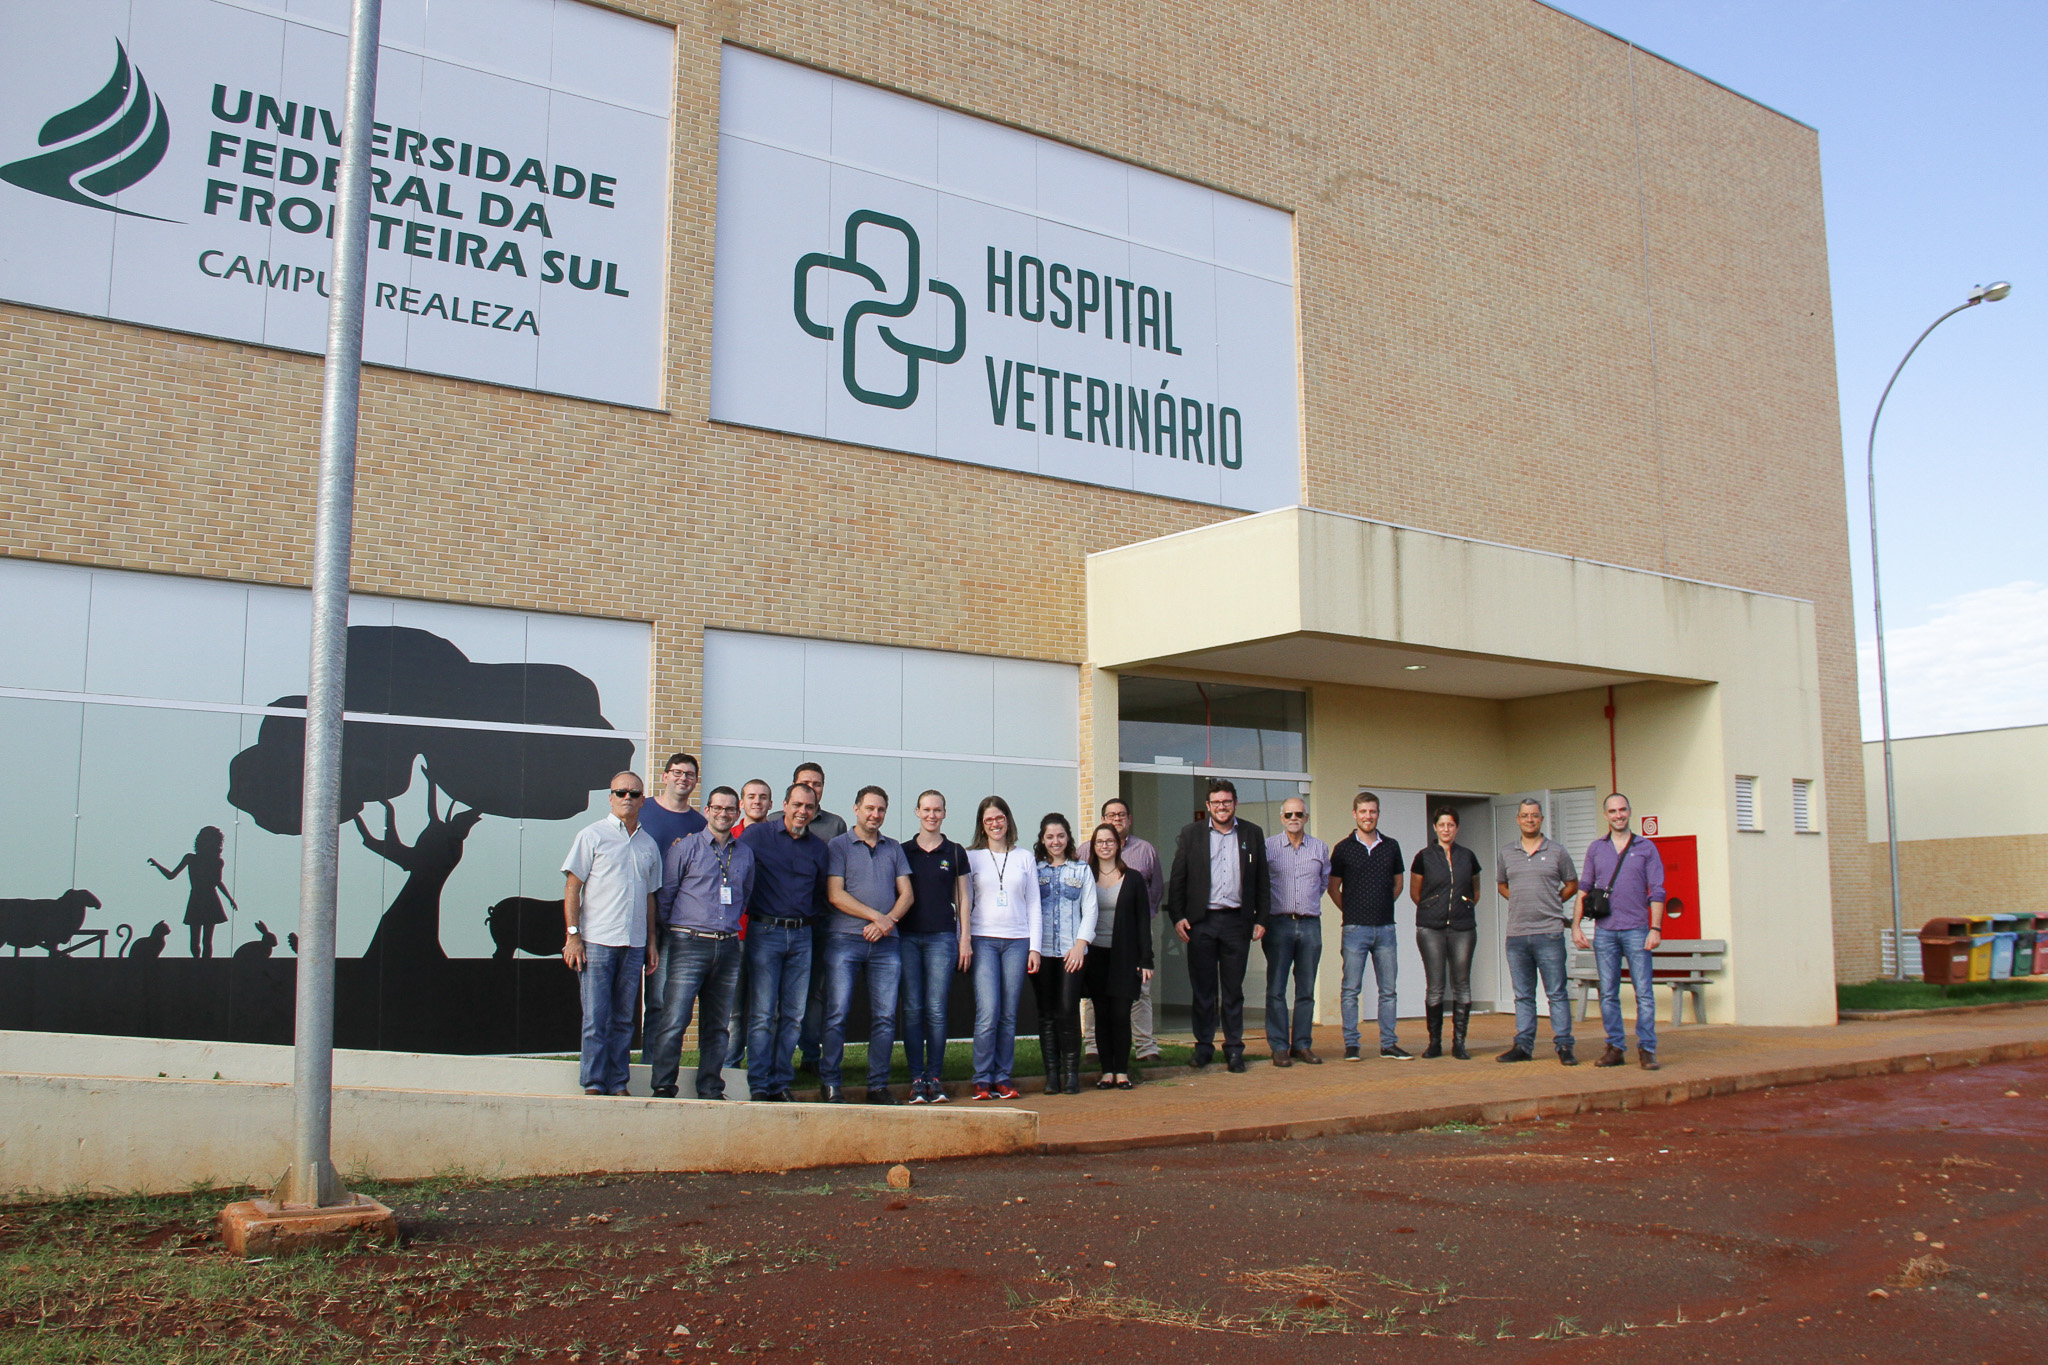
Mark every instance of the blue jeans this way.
pixel 780 961
pixel 610 986
pixel 812 1033
pixel 928 963
pixel 1608 946
pixel 693 970
pixel 1377 942
pixel 845 956
pixel 1529 954
pixel 1292 942
pixel 998 981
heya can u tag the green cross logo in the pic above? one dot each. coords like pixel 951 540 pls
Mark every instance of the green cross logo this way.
pixel 100 147
pixel 848 331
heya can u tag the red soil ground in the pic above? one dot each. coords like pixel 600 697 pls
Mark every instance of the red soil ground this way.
pixel 1892 1219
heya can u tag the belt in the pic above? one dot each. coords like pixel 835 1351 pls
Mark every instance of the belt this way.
pixel 779 921
pixel 704 933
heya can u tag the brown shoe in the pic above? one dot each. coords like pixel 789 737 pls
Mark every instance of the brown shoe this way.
pixel 1614 1056
pixel 1304 1054
pixel 1282 1059
pixel 1649 1061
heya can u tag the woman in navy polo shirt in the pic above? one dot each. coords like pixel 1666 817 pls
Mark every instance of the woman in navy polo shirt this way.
pixel 933 938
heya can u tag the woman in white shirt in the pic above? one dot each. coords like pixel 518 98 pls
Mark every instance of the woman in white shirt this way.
pixel 1066 919
pixel 1002 911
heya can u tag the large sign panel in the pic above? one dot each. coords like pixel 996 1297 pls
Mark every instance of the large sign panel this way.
pixel 893 274
pixel 172 162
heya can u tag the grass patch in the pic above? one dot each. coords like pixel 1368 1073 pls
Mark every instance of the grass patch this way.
pixel 1885 994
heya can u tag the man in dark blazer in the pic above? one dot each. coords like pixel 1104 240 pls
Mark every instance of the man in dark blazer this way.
pixel 1218 898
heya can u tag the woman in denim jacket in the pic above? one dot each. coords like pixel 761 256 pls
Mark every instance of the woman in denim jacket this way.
pixel 1066 920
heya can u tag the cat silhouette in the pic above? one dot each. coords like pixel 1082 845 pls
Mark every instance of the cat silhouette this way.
pixel 259 950
pixel 150 944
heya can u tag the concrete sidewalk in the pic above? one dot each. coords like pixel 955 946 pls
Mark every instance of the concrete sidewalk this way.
pixel 1177 1108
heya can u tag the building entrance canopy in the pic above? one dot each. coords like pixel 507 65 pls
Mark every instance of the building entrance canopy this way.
pixel 1439 664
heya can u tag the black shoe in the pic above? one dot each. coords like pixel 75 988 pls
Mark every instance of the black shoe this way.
pixel 1351 1054
pixel 1202 1060
pixel 831 1094
pixel 1564 1055
pixel 772 1097
pixel 667 1092
pixel 1233 1061
pixel 881 1095
pixel 1515 1054
pixel 1397 1053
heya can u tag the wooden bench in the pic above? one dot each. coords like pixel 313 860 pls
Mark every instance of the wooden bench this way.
pixel 1683 964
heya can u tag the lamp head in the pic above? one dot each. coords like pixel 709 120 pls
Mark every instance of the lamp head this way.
pixel 1990 293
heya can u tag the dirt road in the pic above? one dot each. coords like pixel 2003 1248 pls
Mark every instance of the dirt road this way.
pixel 1897 1219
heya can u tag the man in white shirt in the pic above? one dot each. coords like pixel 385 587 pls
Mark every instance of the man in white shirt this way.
pixel 613 872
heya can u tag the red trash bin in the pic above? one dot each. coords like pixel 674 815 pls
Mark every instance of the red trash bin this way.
pixel 1945 951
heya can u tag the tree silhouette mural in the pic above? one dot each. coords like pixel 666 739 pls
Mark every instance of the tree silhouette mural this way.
pixel 400 671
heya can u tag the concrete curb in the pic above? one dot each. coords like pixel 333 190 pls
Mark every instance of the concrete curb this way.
pixel 1869 1016
pixel 1490 1112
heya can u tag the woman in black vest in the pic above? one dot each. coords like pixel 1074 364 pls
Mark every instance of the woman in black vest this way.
pixel 1443 881
pixel 1120 961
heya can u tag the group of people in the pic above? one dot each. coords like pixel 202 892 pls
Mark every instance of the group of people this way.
pixel 767 924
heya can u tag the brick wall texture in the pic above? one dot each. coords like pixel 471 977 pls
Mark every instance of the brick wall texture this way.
pixel 1553 292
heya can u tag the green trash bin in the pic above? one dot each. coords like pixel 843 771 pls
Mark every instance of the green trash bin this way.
pixel 2025 939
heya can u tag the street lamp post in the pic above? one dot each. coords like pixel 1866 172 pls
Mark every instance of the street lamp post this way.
pixel 1983 293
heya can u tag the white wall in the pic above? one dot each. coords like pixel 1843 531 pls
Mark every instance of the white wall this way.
pixel 967 725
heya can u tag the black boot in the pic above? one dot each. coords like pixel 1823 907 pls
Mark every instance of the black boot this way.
pixel 1049 1049
pixel 1435 1015
pixel 1070 1055
pixel 1461 1015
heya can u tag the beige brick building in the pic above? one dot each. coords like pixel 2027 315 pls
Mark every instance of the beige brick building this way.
pixel 1560 303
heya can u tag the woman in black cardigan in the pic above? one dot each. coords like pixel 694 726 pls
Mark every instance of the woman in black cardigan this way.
pixel 1119 960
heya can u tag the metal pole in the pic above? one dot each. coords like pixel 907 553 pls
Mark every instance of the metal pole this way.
pixel 311 1180
pixel 1884 699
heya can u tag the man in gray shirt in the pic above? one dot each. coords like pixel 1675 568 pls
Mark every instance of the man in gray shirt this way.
pixel 867 881
pixel 1537 880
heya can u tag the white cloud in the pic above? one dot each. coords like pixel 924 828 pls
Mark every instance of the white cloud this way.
pixel 1980 664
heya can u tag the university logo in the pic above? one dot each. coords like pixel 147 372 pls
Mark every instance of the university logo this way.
pixel 100 147
pixel 902 306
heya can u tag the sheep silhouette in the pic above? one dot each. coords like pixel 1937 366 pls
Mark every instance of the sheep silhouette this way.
pixel 529 923
pixel 256 952
pixel 149 945
pixel 46 924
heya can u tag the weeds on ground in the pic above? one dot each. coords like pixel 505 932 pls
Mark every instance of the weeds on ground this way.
pixel 142 1280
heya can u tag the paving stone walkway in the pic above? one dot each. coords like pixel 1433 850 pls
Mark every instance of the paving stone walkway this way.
pixel 1266 1102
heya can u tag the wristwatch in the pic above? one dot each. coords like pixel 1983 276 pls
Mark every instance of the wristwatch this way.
pixel 574 931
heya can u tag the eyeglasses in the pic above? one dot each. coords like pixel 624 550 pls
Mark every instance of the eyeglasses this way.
pixel 629 793
pixel 1294 815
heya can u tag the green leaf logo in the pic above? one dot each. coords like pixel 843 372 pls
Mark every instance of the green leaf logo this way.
pixel 100 147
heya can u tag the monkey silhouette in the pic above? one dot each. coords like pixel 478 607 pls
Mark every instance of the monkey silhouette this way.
pixel 256 952
pixel 150 945
pixel 293 940
pixel 203 868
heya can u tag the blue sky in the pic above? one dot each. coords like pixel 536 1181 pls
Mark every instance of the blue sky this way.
pixel 1933 121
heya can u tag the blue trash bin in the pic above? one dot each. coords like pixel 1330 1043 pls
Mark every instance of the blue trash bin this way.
pixel 2005 940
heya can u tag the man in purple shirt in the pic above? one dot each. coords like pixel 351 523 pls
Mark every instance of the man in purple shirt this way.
pixel 1299 864
pixel 1632 872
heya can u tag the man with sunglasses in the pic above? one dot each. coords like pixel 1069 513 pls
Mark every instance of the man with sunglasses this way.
pixel 612 874
pixel 1299 864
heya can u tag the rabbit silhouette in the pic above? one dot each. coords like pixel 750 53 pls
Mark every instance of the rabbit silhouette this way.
pixel 260 949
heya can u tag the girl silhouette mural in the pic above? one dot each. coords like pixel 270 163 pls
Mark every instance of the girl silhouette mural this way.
pixel 203 867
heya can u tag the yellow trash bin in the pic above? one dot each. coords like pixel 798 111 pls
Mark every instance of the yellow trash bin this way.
pixel 1981 940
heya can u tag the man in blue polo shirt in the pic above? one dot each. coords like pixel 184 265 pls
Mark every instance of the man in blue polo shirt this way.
pixel 867 880
pixel 707 878
pixel 789 895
